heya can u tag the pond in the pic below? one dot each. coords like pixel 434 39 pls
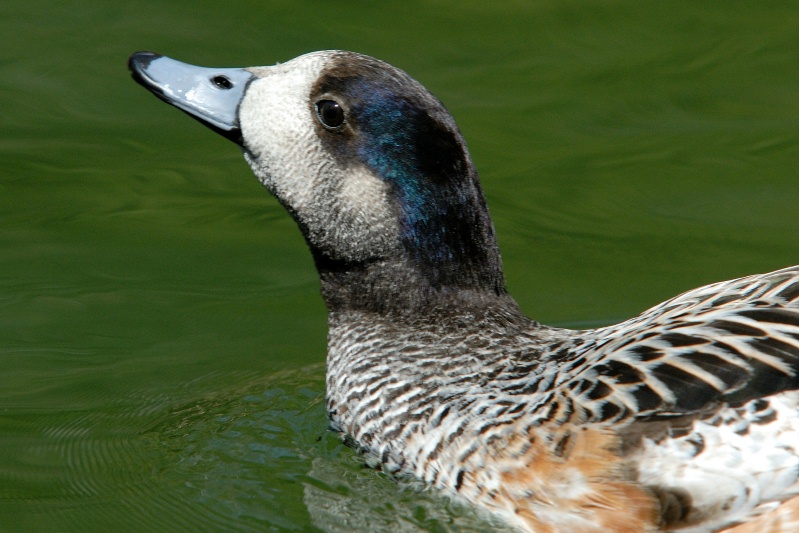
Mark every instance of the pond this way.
pixel 162 338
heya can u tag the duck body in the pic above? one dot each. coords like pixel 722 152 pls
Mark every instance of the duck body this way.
pixel 684 418
pixel 669 419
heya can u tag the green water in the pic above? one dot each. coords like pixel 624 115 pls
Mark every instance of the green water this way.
pixel 161 334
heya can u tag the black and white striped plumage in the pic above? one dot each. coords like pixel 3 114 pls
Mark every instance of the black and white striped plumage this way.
pixel 683 418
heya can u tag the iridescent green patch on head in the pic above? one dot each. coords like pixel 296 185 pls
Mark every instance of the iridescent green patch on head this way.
pixel 404 135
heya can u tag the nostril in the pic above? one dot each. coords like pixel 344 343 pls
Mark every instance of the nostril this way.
pixel 223 82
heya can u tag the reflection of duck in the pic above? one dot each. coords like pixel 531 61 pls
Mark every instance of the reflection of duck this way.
pixel 682 418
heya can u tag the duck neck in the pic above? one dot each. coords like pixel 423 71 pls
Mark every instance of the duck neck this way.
pixel 399 287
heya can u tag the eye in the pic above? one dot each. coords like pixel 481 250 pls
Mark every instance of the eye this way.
pixel 330 114
pixel 223 82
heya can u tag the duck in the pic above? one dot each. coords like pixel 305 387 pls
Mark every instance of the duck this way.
pixel 684 418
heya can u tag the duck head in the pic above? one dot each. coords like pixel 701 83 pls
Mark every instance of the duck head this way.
pixel 369 164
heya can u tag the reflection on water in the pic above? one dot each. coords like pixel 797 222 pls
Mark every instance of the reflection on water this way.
pixel 241 453
pixel 341 499
pixel 161 333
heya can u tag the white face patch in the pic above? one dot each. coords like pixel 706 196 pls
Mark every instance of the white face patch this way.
pixel 342 206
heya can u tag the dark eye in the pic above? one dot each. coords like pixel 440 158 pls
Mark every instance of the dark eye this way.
pixel 330 114
pixel 223 82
